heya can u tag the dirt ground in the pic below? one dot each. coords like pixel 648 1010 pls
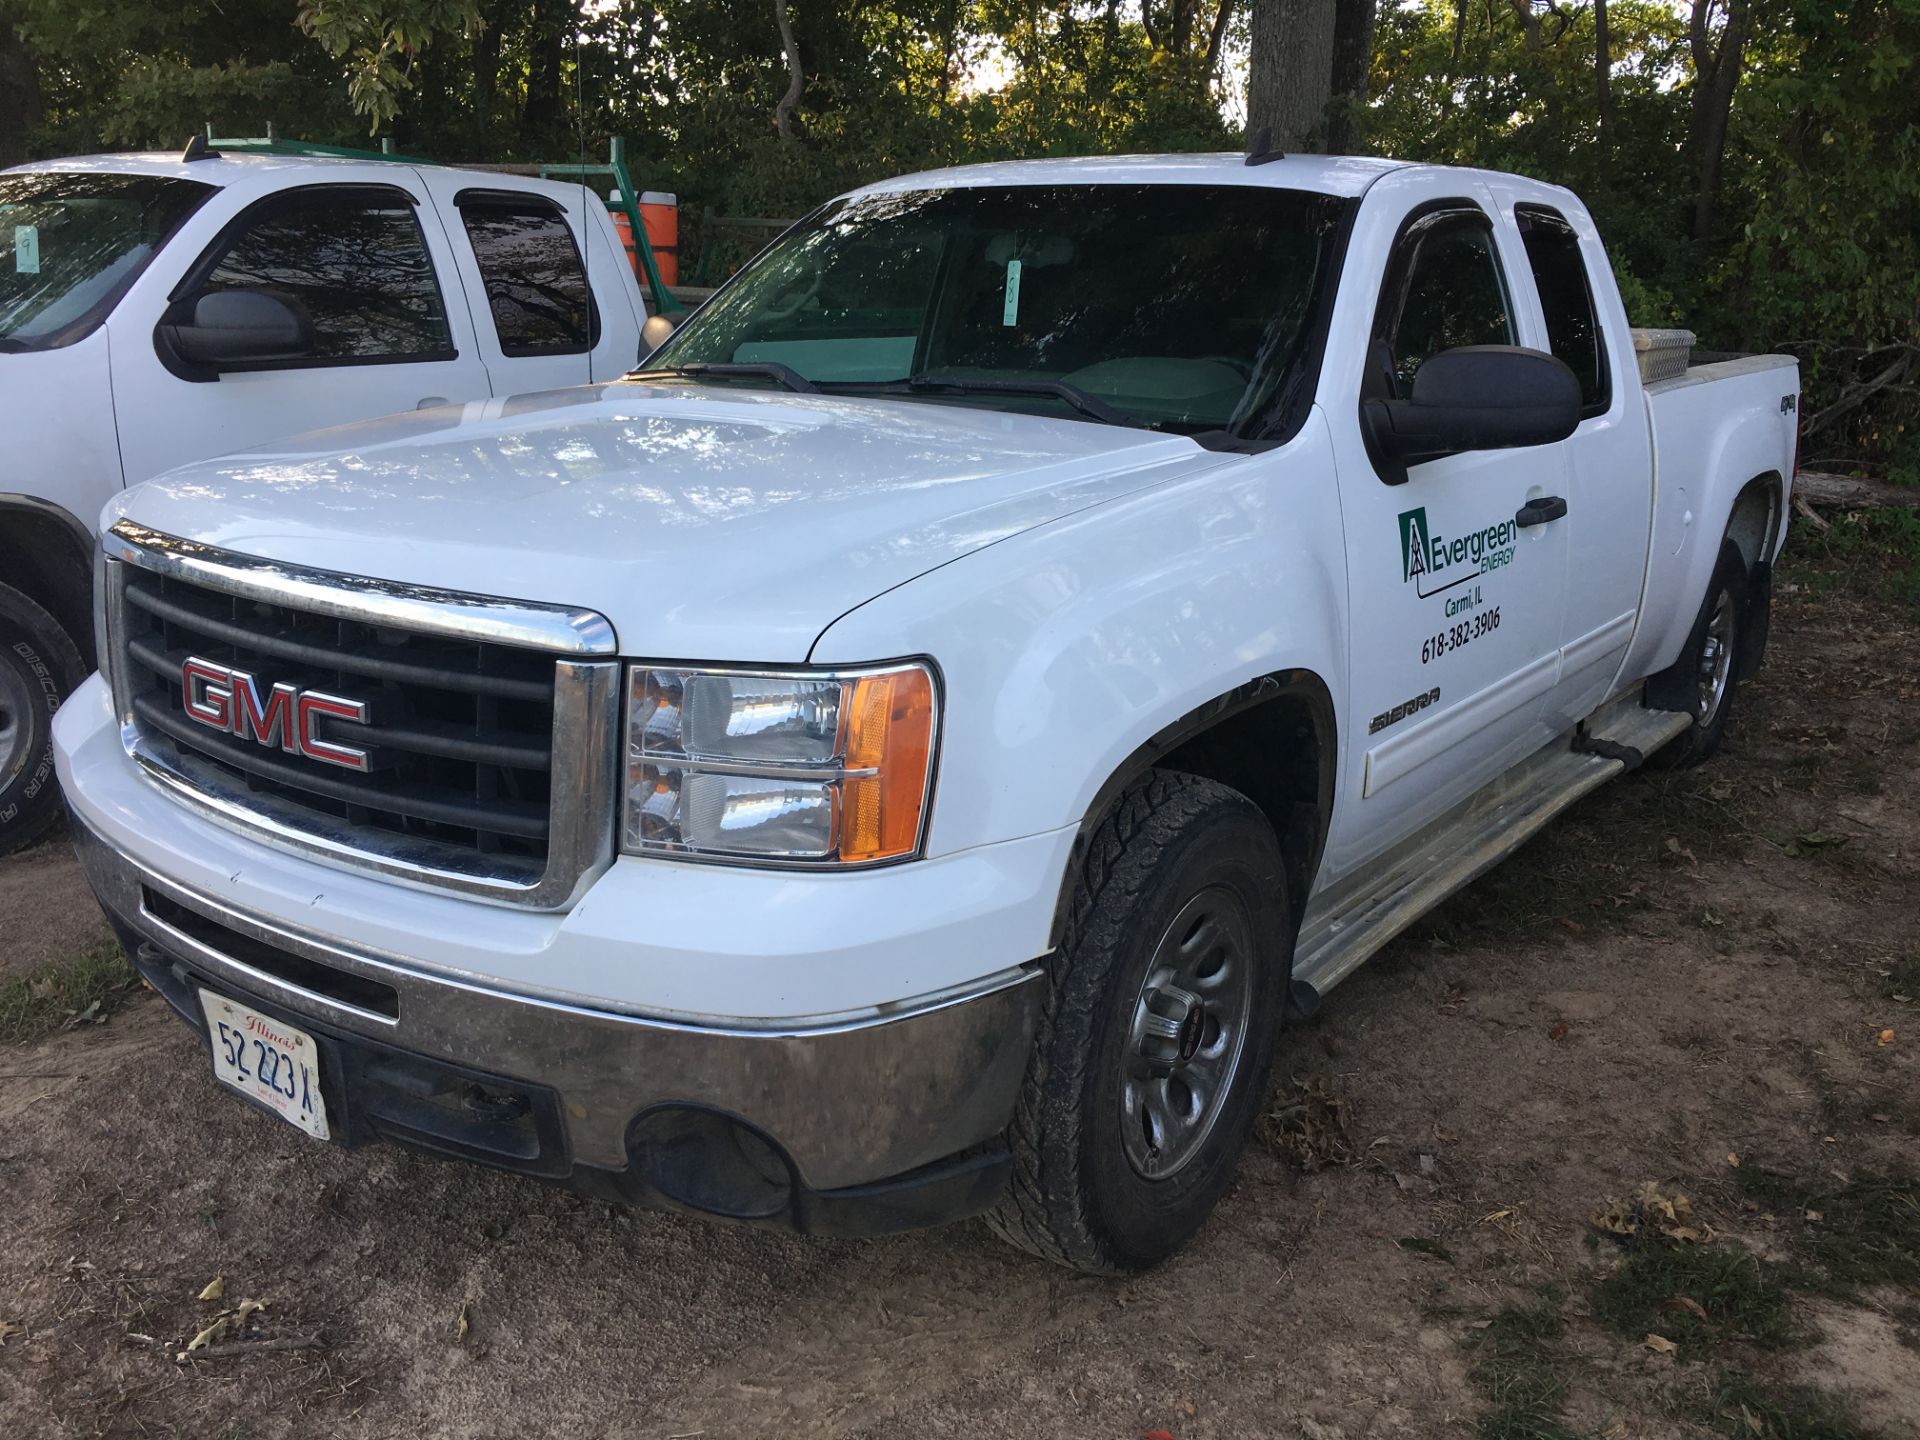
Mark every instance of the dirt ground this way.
pixel 1690 970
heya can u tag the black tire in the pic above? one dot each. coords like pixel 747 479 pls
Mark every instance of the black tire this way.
pixel 1079 1196
pixel 1715 645
pixel 39 667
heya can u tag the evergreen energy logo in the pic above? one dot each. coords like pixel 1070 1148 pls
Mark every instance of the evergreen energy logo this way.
pixel 1433 562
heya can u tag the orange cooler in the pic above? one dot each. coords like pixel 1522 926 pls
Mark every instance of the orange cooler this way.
pixel 660 214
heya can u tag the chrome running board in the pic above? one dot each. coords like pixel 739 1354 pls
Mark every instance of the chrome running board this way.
pixel 1348 922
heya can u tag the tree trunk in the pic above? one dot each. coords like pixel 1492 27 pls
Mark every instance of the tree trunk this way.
pixel 1353 22
pixel 1290 71
pixel 1603 86
pixel 783 111
pixel 22 107
pixel 1716 74
pixel 545 114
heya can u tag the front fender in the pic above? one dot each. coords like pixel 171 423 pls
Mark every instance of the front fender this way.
pixel 1067 648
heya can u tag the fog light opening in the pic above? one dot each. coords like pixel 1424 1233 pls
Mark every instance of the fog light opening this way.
pixel 711 1162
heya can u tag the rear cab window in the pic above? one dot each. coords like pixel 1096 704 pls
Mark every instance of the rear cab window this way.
pixel 1566 300
pixel 529 262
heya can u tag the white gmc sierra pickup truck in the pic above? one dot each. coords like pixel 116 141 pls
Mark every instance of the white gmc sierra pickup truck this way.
pixel 158 309
pixel 899 755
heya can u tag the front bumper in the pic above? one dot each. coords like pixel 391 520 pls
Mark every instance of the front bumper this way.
pixel 868 1117
pixel 901 1113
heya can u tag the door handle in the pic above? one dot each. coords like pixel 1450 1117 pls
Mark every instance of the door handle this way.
pixel 1540 511
pixel 431 402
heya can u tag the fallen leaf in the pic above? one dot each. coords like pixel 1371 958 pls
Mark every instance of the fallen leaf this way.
pixel 1659 1344
pixel 1675 848
pixel 216 1287
pixel 1687 1303
pixel 1815 1216
pixel 1420 1245
pixel 1812 843
pixel 1189 1409
pixel 1558 1032
pixel 1885 1037
pixel 1571 924
pixel 225 1323
pixel 461 1327
pixel 1668 1215
pixel 7 1329
pixel 1733 1160
pixel 1156 1435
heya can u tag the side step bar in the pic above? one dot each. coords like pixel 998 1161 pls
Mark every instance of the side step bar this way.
pixel 1348 922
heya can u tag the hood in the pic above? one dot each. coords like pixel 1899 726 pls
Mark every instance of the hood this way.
pixel 705 523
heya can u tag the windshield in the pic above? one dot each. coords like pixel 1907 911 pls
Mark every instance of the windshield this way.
pixel 70 245
pixel 1183 307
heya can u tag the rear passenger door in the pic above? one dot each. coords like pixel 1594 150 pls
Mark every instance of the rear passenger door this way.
pixel 386 333
pixel 549 310
pixel 1609 461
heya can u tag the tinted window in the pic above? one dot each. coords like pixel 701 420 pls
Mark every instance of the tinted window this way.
pixel 1189 307
pixel 355 262
pixel 70 245
pixel 1449 293
pixel 536 285
pixel 1560 275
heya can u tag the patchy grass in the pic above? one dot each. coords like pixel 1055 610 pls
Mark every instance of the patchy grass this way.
pixel 1658 1285
pixel 70 990
pixel 1516 1367
pixel 1742 1406
pixel 1867 1230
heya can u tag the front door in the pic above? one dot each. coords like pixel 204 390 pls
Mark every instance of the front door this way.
pixel 1457 586
pixel 389 328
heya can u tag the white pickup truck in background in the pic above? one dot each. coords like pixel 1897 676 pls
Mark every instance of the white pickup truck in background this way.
pixel 901 755
pixel 157 309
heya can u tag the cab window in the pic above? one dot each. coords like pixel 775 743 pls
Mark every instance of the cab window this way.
pixel 354 262
pixel 536 285
pixel 1444 289
pixel 1566 299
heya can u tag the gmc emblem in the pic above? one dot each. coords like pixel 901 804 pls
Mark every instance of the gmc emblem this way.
pixel 225 699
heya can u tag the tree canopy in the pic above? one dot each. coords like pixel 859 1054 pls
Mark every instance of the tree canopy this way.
pixel 1752 163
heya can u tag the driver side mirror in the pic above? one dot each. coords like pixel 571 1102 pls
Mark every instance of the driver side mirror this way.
pixel 1476 397
pixel 239 327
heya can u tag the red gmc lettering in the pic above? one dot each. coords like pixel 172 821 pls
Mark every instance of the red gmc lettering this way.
pixel 226 699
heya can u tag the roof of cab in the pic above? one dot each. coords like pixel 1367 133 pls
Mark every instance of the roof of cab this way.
pixel 222 169
pixel 1345 175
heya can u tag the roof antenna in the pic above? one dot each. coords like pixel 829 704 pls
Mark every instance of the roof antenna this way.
pixel 198 149
pixel 1260 149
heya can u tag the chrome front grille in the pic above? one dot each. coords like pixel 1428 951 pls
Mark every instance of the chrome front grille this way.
pixel 488 735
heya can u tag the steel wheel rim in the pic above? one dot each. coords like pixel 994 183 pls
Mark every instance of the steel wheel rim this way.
pixel 1716 660
pixel 1187 1033
pixel 16 702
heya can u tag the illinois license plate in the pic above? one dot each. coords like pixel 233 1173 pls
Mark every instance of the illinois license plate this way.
pixel 267 1060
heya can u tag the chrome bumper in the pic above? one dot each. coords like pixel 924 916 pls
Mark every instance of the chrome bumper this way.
pixel 848 1105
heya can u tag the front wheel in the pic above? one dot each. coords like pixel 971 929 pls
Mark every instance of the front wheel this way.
pixel 1162 1007
pixel 39 667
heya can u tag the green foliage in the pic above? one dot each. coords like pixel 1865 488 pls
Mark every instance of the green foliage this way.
pixel 1812 244
pixel 1738 1298
pixel 72 990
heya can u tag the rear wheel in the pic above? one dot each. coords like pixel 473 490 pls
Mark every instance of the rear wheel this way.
pixel 1162 1007
pixel 1703 680
pixel 39 667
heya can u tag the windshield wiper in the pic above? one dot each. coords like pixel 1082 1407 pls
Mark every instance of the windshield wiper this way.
pixel 1091 406
pixel 754 370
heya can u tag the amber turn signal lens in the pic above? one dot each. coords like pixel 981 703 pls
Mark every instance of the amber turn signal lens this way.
pixel 889 746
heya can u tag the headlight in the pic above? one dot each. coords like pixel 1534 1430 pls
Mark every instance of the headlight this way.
pixel 791 767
